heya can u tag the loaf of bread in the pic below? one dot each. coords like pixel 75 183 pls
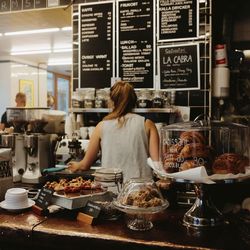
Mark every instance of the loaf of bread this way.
pixel 175 148
pixel 197 150
pixel 188 164
pixel 192 137
pixel 230 163
pixel 171 163
pixel 188 153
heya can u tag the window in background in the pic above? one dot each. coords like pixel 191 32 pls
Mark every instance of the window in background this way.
pixel 58 91
pixel 63 94
pixel 51 90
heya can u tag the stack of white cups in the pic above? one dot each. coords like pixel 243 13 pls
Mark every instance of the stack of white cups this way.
pixel 70 125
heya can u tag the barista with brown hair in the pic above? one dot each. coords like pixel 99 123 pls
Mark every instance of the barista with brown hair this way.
pixel 20 102
pixel 126 139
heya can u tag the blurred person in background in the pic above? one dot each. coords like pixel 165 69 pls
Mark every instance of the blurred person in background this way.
pixel 20 103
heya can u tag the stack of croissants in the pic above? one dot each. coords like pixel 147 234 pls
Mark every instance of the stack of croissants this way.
pixel 191 151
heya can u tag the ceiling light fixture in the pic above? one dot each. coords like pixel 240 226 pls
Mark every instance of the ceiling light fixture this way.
pixel 63 61
pixel 30 52
pixel 19 65
pixel 62 50
pixel 68 28
pixel 25 32
pixel 59 63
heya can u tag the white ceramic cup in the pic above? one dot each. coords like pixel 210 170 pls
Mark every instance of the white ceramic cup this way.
pixel 91 130
pixel 84 132
pixel 16 198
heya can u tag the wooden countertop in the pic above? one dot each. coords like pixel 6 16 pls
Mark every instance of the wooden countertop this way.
pixel 30 231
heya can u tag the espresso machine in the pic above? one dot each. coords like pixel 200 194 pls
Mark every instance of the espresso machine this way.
pixel 37 148
pixel 70 149
pixel 16 143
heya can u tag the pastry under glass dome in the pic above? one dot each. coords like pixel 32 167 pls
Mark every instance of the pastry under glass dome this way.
pixel 222 148
pixel 140 197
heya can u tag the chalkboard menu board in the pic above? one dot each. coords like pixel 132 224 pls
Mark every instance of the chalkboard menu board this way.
pixel 177 20
pixel 14 5
pixel 96 44
pixel 179 67
pixel 19 5
pixel 28 5
pixel 135 43
pixel 40 4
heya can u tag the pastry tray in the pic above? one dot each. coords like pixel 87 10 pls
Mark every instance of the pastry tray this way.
pixel 77 201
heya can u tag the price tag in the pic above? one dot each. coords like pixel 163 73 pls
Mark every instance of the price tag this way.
pixel 89 213
pixel 92 209
pixel 44 198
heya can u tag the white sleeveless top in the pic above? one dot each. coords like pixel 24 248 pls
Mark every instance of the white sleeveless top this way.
pixel 126 147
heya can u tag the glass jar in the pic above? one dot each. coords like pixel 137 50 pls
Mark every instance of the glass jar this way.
pixel 100 99
pixel 144 99
pixel 166 100
pixel 87 97
pixel 157 101
pixel 76 100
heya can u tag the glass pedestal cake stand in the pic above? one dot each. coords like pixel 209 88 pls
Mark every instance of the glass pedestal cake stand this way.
pixel 139 218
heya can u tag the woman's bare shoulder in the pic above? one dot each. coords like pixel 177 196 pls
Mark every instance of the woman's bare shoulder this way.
pixel 149 123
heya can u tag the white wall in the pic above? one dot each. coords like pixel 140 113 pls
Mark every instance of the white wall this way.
pixel 34 74
pixel 5 92
pixel 10 75
pixel 42 82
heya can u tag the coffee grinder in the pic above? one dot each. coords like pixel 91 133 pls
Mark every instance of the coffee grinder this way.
pixel 30 141
pixel 16 143
pixel 37 148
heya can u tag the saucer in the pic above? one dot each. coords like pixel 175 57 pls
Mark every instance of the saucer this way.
pixel 11 209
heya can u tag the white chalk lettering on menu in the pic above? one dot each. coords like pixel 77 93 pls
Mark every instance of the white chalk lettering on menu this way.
pixel 136 46
pixel 14 4
pixel 52 3
pixel 129 4
pixel 96 44
pixel 179 67
pixel 4 5
pixel 177 19
pixel 87 9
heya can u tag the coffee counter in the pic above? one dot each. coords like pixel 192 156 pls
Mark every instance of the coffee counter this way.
pixel 62 231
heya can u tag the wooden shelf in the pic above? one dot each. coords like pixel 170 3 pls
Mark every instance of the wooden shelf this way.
pixel 136 110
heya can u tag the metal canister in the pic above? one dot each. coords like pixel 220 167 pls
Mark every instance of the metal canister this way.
pixel 8 141
pixel 221 55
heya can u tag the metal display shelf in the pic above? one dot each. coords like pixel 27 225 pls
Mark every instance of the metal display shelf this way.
pixel 136 110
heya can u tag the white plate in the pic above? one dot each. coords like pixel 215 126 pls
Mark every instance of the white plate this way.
pixel 5 206
pixel 246 204
pixel 110 177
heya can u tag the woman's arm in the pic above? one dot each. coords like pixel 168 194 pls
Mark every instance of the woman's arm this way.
pixel 91 154
pixel 153 139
